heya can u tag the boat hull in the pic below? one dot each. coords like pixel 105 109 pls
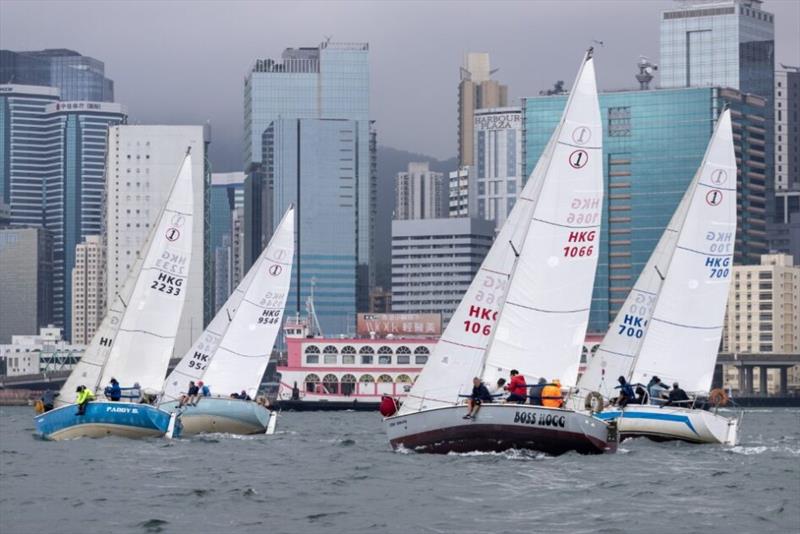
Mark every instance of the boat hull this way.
pixel 499 427
pixel 103 419
pixel 673 423
pixel 231 416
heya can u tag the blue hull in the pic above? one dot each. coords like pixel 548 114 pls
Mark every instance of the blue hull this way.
pixel 221 414
pixel 103 418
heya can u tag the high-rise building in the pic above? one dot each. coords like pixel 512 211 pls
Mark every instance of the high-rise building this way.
pixel 73 205
pixel 88 277
pixel 462 182
pixel 653 143
pixel 763 312
pixel 725 43
pixel 27 145
pixel 434 262
pixel 312 164
pixel 420 193
pixel 236 273
pixel 476 90
pixel 227 194
pixel 787 129
pixel 498 162
pixel 26 262
pixel 330 81
pixel 143 162
pixel 77 77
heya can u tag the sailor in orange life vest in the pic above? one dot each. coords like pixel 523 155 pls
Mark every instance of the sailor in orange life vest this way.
pixel 551 394
pixel 517 389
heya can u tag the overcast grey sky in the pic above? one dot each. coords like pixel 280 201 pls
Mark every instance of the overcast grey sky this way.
pixel 184 62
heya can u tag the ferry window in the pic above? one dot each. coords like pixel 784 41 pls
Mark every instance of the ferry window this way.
pixel 403 355
pixel 385 355
pixel 348 383
pixel 405 380
pixel 366 355
pixel 312 354
pixel 330 384
pixel 366 379
pixel 311 382
pixel 385 379
pixel 348 356
pixel 421 355
pixel 331 354
pixel 584 353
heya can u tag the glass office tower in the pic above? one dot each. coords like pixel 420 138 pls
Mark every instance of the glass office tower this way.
pixel 653 144
pixel 330 81
pixel 313 164
pixel 76 76
pixel 729 43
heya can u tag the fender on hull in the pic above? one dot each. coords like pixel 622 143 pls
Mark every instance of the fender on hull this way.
pixel 501 427
pixel 222 415
pixel 103 419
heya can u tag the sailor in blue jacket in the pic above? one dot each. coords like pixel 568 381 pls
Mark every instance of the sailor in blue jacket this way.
pixel 113 392
pixel 480 394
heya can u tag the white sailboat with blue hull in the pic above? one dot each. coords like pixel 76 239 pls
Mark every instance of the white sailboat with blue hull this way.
pixel 671 323
pixel 136 338
pixel 232 354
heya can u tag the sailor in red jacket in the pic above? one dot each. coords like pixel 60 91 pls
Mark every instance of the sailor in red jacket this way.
pixel 517 389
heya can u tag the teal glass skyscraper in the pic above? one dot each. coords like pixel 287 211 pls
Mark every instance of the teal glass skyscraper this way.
pixel 328 82
pixel 653 144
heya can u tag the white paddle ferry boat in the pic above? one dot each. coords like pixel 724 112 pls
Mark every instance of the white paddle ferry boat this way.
pixel 526 309
pixel 136 338
pixel 671 323
pixel 233 352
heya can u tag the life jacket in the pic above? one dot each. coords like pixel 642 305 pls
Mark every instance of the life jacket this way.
pixel 551 396
pixel 388 406
pixel 85 395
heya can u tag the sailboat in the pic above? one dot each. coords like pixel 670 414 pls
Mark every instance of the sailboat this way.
pixel 136 338
pixel 526 309
pixel 232 354
pixel 671 323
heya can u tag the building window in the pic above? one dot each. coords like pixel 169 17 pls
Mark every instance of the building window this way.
pixel 312 354
pixel 330 384
pixel 311 382
pixel 366 355
pixel 385 355
pixel 330 355
pixel 619 121
pixel 348 355
pixel 421 355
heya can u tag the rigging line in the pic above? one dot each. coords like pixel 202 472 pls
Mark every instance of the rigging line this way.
pixel 582 147
pixel 135 331
pixel 616 353
pixel 704 253
pixel 170 210
pixel 545 311
pixel 711 186
pixel 691 327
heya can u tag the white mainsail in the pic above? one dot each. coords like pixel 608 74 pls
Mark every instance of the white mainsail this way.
pixel 542 326
pixel 147 328
pixel 459 354
pixel 243 351
pixel 621 344
pixel 682 338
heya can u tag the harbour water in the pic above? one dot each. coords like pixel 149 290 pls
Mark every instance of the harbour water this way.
pixel 335 472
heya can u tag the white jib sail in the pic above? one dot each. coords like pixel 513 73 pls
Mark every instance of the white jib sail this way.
pixel 88 370
pixel 243 352
pixel 682 338
pixel 194 363
pixel 621 344
pixel 542 325
pixel 459 354
pixel 146 335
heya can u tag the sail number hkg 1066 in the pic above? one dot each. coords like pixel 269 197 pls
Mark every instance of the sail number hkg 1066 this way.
pixel 586 236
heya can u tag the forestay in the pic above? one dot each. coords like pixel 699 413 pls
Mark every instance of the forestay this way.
pixel 243 353
pixel 683 336
pixel 542 325
pixel 148 326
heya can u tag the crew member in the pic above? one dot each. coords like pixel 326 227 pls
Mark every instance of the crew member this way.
pixel 499 389
pixel 626 394
pixel 84 397
pixel 551 394
pixel 656 389
pixel 479 395
pixel 113 392
pixel 517 389
pixel 204 389
pixel 191 396
pixel 536 392
pixel 48 399
pixel 677 396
